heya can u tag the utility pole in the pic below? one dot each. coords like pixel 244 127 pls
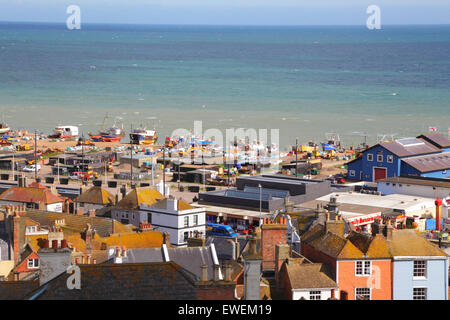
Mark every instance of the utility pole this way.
pixel 179 164
pixel 260 204
pixel 35 155
pixel 164 171
pixel 83 173
pixel 131 159
pixel 296 157
pixel 13 165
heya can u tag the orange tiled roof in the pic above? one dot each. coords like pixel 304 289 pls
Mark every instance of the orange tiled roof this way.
pixel 96 195
pixel 30 195
pixel 132 240
pixel 138 196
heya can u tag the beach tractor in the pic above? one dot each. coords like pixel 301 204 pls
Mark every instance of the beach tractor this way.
pixel 23 147
pixel 85 142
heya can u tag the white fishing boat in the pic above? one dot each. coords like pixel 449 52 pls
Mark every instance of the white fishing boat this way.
pixel 65 132
pixel 143 136
pixel 4 129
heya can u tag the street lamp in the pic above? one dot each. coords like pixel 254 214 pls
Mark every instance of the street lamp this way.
pixel 260 204
pixel 296 157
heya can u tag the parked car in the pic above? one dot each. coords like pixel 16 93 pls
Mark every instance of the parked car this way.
pixel 221 230
pixel 31 168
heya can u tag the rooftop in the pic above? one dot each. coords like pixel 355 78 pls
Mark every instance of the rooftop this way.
pixel 32 194
pixel 310 276
pixel 410 147
pixel 138 281
pixel 391 201
pixel 138 196
pixel 429 163
pixel 421 181
pixel 437 139
pixel 96 195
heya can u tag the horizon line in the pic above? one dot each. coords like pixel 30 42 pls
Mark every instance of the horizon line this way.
pixel 223 25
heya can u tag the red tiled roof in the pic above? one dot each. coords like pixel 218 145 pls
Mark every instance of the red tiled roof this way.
pixel 30 195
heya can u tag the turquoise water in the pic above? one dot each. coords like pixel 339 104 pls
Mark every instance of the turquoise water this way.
pixel 304 81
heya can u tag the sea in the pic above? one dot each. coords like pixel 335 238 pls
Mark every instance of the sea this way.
pixel 303 82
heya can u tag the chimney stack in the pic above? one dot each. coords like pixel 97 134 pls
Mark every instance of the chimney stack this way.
pixel 438 204
pixel 80 211
pixel 166 239
pixel 204 273
pixel 389 230
pixel 227 270
pixel 216 272
pixel 252 272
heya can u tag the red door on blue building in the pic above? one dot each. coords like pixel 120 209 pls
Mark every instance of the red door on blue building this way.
pixel 380 173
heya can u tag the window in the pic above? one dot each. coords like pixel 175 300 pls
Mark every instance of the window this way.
pixel 420 268
pixel 352 173
pixel 419 294
pixel 195 220
pixel 390 158
pixel 186 221
pixel 33 263
pixel 186 236
pixel 362 294
pixel 369 157
pixel 363 268
pixel 314 295
pixel 380 158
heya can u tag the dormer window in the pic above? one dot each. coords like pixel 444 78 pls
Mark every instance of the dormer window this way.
pixel 33 263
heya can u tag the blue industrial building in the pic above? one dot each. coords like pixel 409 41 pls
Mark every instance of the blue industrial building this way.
pixel 427 156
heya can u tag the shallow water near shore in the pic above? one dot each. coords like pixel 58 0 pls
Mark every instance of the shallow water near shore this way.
pixel 304 81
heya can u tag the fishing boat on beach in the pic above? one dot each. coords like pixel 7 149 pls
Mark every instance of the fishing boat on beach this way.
pixel 143 136
pixel 112 134
pixel 4 128
pixel 65 132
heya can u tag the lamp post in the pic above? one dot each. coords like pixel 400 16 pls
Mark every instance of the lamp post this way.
pixel 164 171
pixel 296 157
pixel 260 204
pixel 13 165
pixel 35 155
pixel 131 157
pixel 179 164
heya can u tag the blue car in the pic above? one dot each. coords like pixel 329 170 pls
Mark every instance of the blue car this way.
pixel 221 230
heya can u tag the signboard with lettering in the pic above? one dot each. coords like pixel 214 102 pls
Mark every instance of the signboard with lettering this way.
pixel 364 219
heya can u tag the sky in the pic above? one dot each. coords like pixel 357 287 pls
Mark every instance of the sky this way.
pixel 229 12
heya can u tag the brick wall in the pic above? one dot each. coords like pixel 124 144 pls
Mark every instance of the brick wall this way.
pixel 317 256
pixel 271 235
pixel 216 292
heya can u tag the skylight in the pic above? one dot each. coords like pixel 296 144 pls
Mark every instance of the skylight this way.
pixel 409 142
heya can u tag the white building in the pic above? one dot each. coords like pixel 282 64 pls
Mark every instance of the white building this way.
pixel 423 187
pixel 403 204
pixel 176 217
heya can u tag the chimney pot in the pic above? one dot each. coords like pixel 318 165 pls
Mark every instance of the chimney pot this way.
pixel 54 244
